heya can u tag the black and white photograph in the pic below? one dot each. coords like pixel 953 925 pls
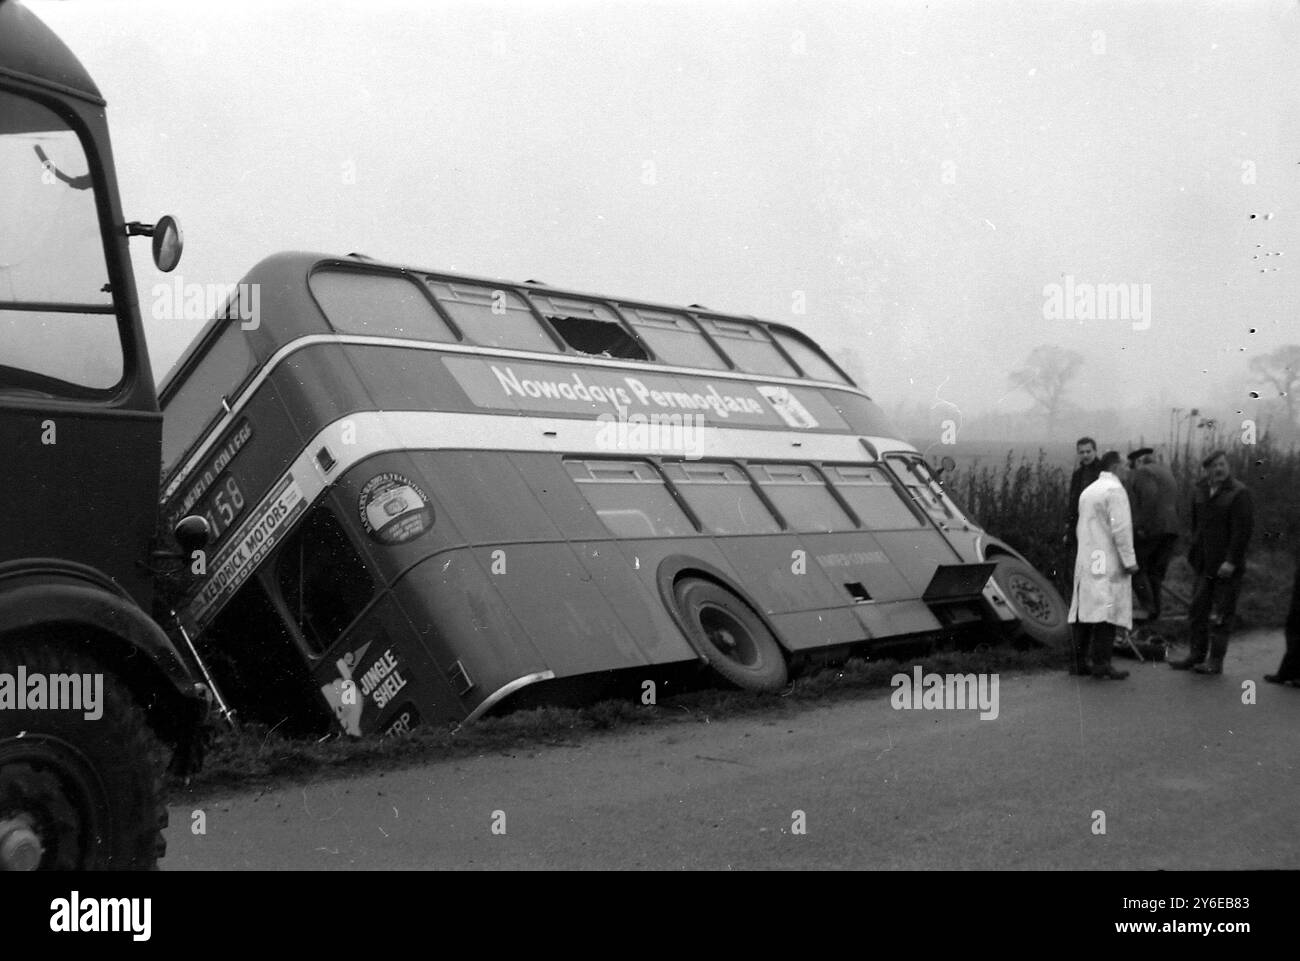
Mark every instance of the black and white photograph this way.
pixel 652 435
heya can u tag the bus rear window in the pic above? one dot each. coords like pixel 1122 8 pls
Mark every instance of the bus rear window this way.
pixel 749 347
pixel 491 316
pixel 383 305
pixel 801 496
pixel 630 498
pixel 811 360
pixel 722 498
pixel 674 338
pixel 876 501
pixel 198 400
pixel 589 327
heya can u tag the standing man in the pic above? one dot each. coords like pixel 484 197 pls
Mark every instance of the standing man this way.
pixel 1085 448
pixel 1103 592
pixel 1153 493
pixel 1223 515
pixel 1288 671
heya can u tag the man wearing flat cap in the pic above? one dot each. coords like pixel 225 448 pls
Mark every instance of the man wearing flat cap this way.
pixel 1153 493
pixel 1223 516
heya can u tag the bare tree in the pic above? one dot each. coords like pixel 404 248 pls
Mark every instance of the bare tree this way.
pixel 1045 376
pixel 1281 368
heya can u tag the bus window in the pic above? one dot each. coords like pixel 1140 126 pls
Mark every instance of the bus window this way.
pixel 802 497
pixel 492 317
pixel 384 305
pixel 322 579
pixel 58 327
pixel 923 488
pixel 589 327
pixel 722 497
pixel 196 402
pixel 749 347
pixel 630 498
pixel 674 338
pixel 809 358
pixel 873 498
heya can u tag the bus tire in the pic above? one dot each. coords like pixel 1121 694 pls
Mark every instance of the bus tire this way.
pixel 734 640
pixel 77 793
pixel 1035 601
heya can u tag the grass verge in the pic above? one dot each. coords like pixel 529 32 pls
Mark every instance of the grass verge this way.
pixel 255 757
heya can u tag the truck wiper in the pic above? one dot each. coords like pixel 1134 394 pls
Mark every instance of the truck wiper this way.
pixel 76 183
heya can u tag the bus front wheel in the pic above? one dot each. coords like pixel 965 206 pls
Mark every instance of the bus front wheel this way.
pixel 732 638
pixel 1035 601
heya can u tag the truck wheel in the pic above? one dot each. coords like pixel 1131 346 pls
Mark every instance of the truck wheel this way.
pixel 734 639
pixel 77 793
pixel 1035 601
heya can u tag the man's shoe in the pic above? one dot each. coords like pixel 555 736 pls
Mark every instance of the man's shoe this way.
pixel 1184 664
pixel 1109 674
pixel 1209 667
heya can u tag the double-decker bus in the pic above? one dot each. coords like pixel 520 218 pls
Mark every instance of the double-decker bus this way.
pixel 429 492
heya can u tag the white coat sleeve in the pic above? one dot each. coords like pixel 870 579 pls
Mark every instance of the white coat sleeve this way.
pixel 1121 525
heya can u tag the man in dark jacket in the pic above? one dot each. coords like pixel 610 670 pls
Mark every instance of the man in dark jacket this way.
pixel 1223 516
pixel 1089 470
pixel 1154 496
pixel 1288 671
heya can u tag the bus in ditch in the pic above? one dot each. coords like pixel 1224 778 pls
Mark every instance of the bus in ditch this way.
pixel 431 494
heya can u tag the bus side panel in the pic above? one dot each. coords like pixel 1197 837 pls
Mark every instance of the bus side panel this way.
pixel 917 554
pixel 808 630
pixel 858 558
pixel 896 618
pixel 453 606
pixel 770 569
pixel 636 603
pixel 568 618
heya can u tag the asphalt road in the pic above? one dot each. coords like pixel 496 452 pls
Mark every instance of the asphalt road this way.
pixel 1187 775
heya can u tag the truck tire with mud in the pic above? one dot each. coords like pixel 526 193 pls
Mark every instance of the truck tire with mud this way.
pixel 77 793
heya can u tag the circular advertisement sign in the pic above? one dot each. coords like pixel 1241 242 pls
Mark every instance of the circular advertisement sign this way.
pixel 393 509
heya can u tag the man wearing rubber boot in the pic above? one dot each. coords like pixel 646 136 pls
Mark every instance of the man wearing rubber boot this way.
pixel 1223 516
pixel 1103 592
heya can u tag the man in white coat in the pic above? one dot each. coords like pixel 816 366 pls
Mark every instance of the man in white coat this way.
pixel 1103 568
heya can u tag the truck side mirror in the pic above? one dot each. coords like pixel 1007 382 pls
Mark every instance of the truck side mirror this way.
pixel 192 533
pixel 168 243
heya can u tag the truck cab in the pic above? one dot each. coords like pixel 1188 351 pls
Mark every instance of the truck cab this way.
pixel 80 432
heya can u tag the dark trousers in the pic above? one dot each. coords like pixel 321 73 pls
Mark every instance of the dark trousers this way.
pixel 1153 557
pixel 1093 645
pixel 1203 635
pixel 1289 670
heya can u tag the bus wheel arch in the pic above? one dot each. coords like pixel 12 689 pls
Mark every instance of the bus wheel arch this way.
pixel 1041 610
pixel 725 628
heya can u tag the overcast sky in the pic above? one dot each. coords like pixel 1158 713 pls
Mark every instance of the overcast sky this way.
pixel 915 174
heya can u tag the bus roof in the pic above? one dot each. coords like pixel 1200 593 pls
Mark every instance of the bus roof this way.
pixel 282 278
pixel 29 50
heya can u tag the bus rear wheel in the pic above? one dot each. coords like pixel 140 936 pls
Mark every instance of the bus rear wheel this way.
pixel 1035 601
pixel 734 640
pixel 77 793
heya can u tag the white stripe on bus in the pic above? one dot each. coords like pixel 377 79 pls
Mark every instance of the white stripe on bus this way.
pixel 381 432
pixel 193 461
